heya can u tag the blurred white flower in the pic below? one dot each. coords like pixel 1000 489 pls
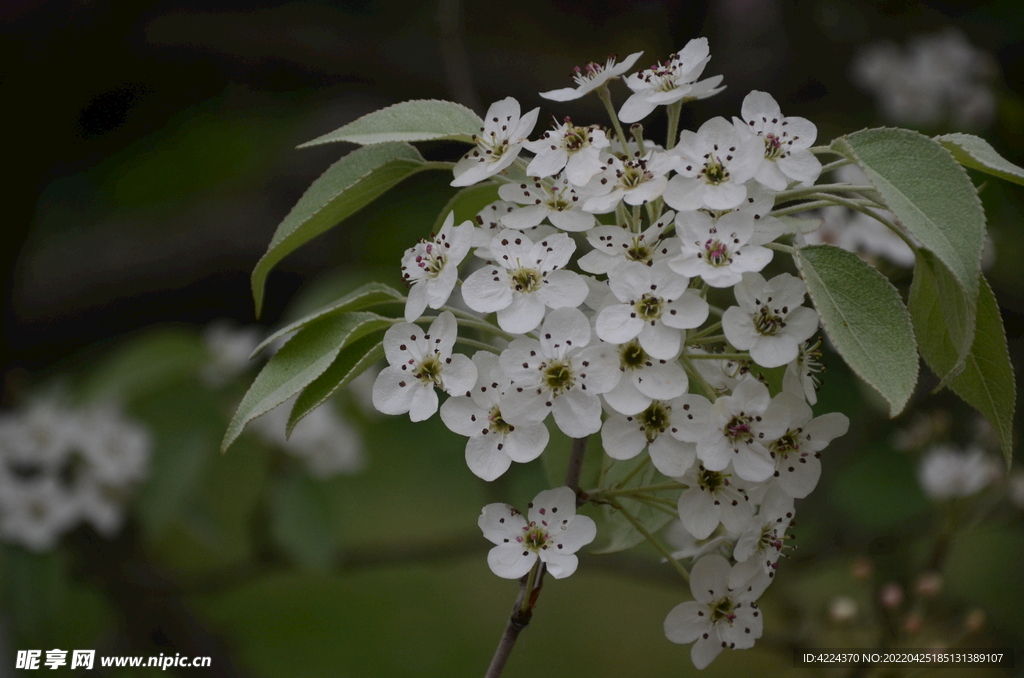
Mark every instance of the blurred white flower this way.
pixel 946 472
pixel 328 444
pixel 939 78
pixel 229 347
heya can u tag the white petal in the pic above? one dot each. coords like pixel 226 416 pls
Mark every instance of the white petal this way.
pixel 463 416
pixel 578 532
pixel 501 521
pixel 662 380
pixel 563 289
pixel 618 324
pixel 578 414
pixel 526 442
pixel 510 561
pixel 393 391
pixel 424 403
pixel 560 565
pixel 483 457
pixel 459 375
pixel 522 315
pixel 564 328
pixel 660 341
pixel 487 290
pixel 622 439
pixel 684 194
pixel 558 502
pixel 685 624
pixel 416 302
pixel 672 457
pixel 698 514
pixel 626 398
pixel 709 578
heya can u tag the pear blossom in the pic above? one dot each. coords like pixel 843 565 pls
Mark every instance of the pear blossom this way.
pixel 802 374
pixel 721 375
pixel 560 373
pixel 417 362
pixel 762 541
pixel 614 245
pixel 559 203
pixel 712 498
pixel 228 347
pixel 714 163
pixel 34 513
pixel 524 279
pixel 735 429
pixel 720 616
pixel 675 80
pixel 551 532
pixel 644 379
pixel 430 267
pixel 493 443
pixel 574 149
pixel 624 437
pixel 635 180
pixel 489 224
pixel 498 144
pixel 718 249
pixel 592 76
pixel 797 450
pixel 945 472
pixel 327 443
pixel 655 305
pixel 770 321
pixel 786 140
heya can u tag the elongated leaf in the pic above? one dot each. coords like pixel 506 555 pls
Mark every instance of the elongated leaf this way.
pixel 352 361
pixel 421 120
pixel 986 382
pixel 957 314
pixel 366 296
pixel 976 153
pixel 930 194
pixel 865 318
pixel 467 203
pixel 299 362
pixel 618 533
pixel 348 185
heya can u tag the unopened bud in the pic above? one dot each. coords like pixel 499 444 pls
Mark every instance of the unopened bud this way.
pixel 842 609
pixel 891 596
pixel 929 584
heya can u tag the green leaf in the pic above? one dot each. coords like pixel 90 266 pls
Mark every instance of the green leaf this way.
pixel 986 381
pixel 865 318
pixel 346 186
pixel 467 203
pixel 976 153
pixel 421 120
pixel 618 533
pixel 299 362
pixel 352 361
pixel 367 296
pixel 935 288
pixel 930 194
pixel 301 521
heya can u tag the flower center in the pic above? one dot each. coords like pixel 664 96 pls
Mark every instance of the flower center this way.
pixel 768 323
pixel 711 481
pixel 772 147
pixel 633 173
pixel 576 138
pixel 787 444
pixel 639 251
pixel 716 253
pixel 722 610
pixel 429 370
pixel 738 429
pixel 558 376
pixel 498 425
pixel 714 171
pixel 655 419
pixel 534 538
pixel 649 307
pixel 632 356
pixel 430 259
pixel 492 146
pixel 527 280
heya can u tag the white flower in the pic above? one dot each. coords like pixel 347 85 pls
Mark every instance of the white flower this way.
pixel 417 362
pixel 735 429
pixel 713 163
pixel 635 180
pixel 624 437
pixel 786 141
pixel 524 279
pixel 796 452
pixel 576 149
pixel 667 83
pixel 498 143
pixel 559 374
pixel 327 443
pixel 861 234
pixel 655 305
pixel 644 379
pixel 721 375
pixel 719 250
pixel 560 204
pixel 592 76
pixel 712 497
pixel 553 533
pixel 489 225
pixel 36 512
pixel 493 443
pixel 614 245
pixel 719 616
pixel 762 541
pixel 431 267
pixel 802 374
pixel 229 347
pixel 770 321
pixel 946 473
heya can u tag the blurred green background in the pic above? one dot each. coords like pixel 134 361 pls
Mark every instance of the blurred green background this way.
pixel 154 154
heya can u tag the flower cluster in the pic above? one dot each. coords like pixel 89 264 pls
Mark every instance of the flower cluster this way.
pixel 603 301
pixel 61 466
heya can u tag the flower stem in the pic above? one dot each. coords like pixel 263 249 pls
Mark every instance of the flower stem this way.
pixel 517 621
pixel 650 537
pixel 673 125
pixel 718 356
pixel 836 164
pixel 606 99
pixel 705 332
pixel 476 344
pixel 671 485
pixel 779 247
pixel 856 206
pixel 802 207
pixel 575 467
